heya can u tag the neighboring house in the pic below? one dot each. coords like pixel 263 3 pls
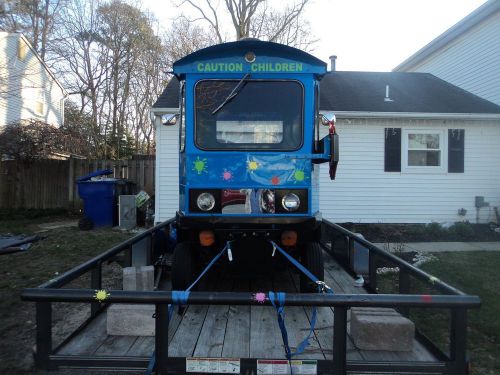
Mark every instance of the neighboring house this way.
pixel 413 149
pixel 466 55
pixel 28 90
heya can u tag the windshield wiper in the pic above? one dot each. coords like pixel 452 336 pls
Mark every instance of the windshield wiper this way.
pixel 233 93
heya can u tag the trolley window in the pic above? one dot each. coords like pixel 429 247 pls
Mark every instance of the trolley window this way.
pixel 255 115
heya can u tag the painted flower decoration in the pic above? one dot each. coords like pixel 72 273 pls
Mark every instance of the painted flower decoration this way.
pixel 200 165
pixel 259 297
pixel 227 175
pixel 299 175
pixel 252 165
pixel 101 295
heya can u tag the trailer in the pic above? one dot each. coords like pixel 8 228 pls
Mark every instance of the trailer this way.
pixel 276 292
pixel 224 329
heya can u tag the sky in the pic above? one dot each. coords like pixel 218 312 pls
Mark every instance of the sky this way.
pixel 366 35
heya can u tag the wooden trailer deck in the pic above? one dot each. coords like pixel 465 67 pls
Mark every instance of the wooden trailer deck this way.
pixel 241 331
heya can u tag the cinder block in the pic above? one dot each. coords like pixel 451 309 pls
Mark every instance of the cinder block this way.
pixel 145 278
pixel 129 278
pixel 131 320
pixel 381 329
pixel 138 278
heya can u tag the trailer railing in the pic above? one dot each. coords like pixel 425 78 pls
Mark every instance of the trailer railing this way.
pixel 340 242
pixel 52 292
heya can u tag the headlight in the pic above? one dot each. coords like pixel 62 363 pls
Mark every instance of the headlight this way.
pixel 290 202
pixel 205 201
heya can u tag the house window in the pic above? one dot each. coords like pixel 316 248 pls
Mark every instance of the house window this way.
pixel 40 103
pixel 418 150
pixel 22 49
pixel 423 150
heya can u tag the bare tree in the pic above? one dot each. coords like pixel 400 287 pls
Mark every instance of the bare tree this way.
pixel 255 18
pixel 36 19
pixel 81 62
pixel 185 37
pixel 286 26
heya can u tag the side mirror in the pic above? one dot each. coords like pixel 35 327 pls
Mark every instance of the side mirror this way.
pixel 169 119
pixel 327 118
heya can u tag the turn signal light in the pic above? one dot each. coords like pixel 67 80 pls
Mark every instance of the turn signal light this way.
pixel 289 238
pixel 207 238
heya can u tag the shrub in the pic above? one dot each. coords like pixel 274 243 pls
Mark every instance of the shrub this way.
pixel 462 231
pixel 435 230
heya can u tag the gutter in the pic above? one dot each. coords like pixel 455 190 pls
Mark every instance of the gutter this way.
pixel 418 115
pixel 156 113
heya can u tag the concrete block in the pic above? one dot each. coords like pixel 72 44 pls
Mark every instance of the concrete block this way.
pixel 146 278
pixel 138 278
pixel 381 329
pixel 127 212
pixel 131 320
pixel 129 278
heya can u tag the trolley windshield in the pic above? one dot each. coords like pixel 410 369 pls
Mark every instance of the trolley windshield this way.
pixel 250 115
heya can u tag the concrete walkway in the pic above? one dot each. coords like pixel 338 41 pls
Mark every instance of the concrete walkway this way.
pixel 437 247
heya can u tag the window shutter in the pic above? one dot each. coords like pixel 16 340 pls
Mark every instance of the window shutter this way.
pixel 392 156
pixel 456 150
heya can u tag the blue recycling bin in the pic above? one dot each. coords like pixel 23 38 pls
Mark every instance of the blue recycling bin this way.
pixel 99 197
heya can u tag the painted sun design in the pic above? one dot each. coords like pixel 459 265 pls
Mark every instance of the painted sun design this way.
pixel 299 175
pixel 275 180
pixel 200 165
pixel 227 175
pixel 252 165
pixel 101 295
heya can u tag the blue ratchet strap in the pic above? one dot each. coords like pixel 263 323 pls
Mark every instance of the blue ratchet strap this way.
pixel 215 259
pixel 180 298
pixel 281 300
pixel 280 309
pixel 301 268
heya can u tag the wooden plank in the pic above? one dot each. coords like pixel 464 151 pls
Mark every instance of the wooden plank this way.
pixel 186 336
pixel 115 345
pixel 211 340
pixel 265 335
pixel 86 342
pixel 141 174
pixel 237 338
pixel 142 347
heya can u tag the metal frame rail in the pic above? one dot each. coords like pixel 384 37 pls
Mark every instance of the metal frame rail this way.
pixel 47 358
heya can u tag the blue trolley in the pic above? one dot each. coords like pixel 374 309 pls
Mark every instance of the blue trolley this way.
pixel 249 157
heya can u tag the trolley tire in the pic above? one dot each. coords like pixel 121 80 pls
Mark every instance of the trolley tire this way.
pixel 183 266
pixel 312 259
pixel 85 223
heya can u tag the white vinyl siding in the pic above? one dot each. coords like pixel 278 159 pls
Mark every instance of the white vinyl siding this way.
pixel 167 172
pixel 364 193
pixel 471 61
pixel 27 89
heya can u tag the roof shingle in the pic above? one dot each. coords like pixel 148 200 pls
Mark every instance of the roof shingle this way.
pixel 365 92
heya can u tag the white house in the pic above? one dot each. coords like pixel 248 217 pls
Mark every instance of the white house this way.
pixel 466 55
pixel 413 149
pixel 28 90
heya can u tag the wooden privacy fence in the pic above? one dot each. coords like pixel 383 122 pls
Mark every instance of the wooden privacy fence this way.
pixel 51 183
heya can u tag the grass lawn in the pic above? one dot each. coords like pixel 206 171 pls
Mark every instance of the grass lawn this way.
pixel 474 273
pixel 59 251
